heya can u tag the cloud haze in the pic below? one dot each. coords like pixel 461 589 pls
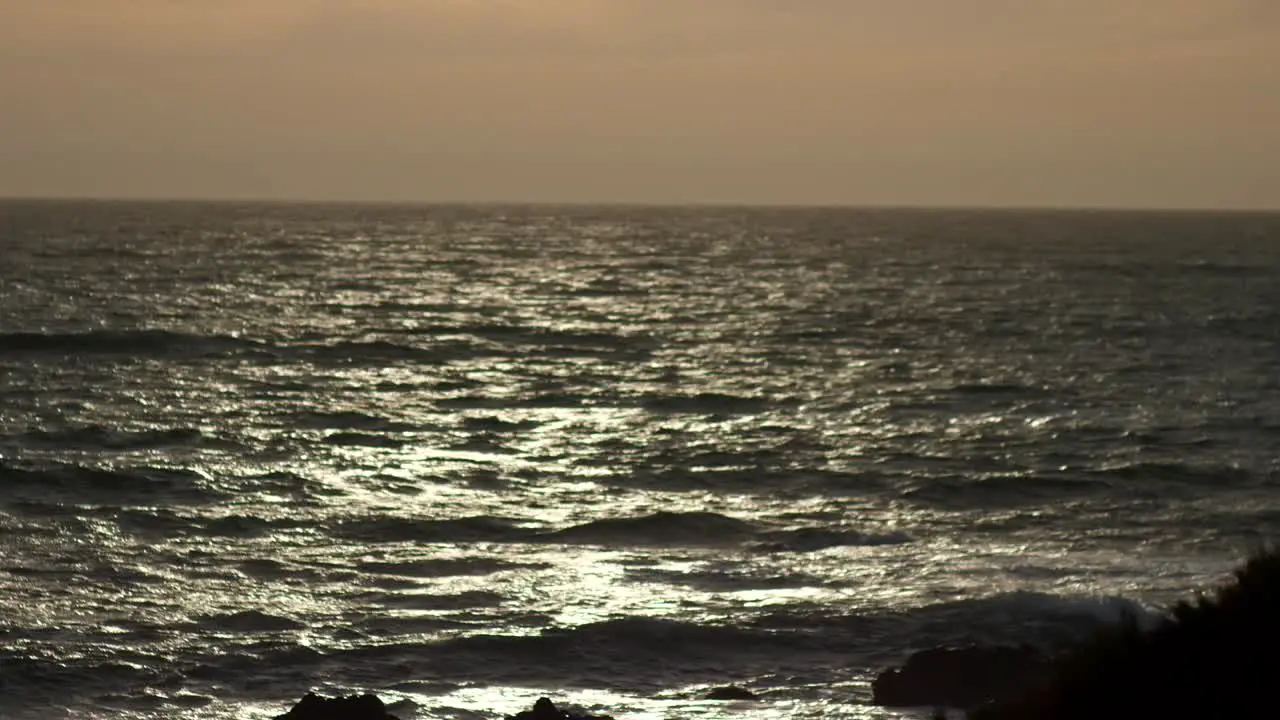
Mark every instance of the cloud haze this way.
pixel 984 102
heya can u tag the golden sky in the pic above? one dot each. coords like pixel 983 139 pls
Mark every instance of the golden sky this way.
pixel 1145 103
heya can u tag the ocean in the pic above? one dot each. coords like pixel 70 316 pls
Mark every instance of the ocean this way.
pixel 464 456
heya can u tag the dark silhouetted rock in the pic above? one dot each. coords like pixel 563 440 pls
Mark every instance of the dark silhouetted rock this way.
pixel 544 709
pixel 960 677
pixel 1216 657
pixel 351 707
pixel 730 692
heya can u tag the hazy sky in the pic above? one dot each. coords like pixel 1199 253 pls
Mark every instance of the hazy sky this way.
pixel 1170 103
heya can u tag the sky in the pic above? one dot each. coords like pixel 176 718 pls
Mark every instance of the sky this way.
pixel 1096 103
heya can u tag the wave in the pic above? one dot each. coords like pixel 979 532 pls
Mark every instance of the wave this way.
pixel 397 307
pixel 1013 618
pixel 584 341
pixel 289 664
pixel 40 683
pixel 168 523
pixel 280 481
pixel 349 420
pixel 247 621
pixel 811 539
pixel 97 436
pixel 467 600
pixel 137 343
pixel 493 402
pixel 1103 609
pixel 1227 269
pixel 244 526
pixel 724 579
pixel 663 636
pixel 707 403
pixel 662 528
pixel 700 529
pixel 376 352
pixel 354 439
pixel 482 445
pixel 391 626
pixel 992 389
pixel 447 567
pixel 497 424
pixel 999 490
pixel 630 652
pixel 76 482
pixel 445 343
pixel 167 343
pixel 482 528
pixel 739 472
pixel 1175 472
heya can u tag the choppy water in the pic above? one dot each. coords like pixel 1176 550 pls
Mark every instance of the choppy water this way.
pixel 466 456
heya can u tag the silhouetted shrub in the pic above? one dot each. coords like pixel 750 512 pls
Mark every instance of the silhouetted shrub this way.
pixel 1214 657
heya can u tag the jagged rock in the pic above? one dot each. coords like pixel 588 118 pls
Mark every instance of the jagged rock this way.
pixel 544 709
pixel 960 678
pixel 730 692
pixel 351 707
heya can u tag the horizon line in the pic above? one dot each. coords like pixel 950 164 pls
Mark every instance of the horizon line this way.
pixel 670 204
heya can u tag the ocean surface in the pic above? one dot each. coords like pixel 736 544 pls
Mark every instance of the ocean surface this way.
pixel 466 456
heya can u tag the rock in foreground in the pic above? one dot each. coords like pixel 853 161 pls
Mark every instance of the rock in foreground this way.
pixel 731 692
pixel 544 709
pixel 1214 658
pixel 961 678
pixel 351 707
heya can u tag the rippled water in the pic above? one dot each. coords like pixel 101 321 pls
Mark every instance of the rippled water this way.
pixel 464 456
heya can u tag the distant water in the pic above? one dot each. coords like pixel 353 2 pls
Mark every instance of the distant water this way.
pixel 464 456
